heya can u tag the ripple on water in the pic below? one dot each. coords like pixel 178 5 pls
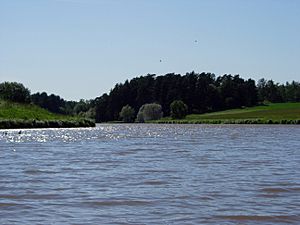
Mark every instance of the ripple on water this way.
pixel 280 190
pixel 38 171
pixel 155 182
pixel 261 218
pixel 117 202
pixel 151 174
pixel 13 206
pixel 33 196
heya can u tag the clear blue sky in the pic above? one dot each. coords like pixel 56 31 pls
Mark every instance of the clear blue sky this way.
pixel 82 48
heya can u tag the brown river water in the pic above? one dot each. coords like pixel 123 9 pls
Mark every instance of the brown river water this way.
pixel 151 174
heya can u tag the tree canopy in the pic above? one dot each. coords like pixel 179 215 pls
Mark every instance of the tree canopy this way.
pixel 178 109
pixel 127 114
pixel 200 92
pixel 15 92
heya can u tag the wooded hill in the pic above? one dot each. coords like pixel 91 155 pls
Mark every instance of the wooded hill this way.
pixel 202 93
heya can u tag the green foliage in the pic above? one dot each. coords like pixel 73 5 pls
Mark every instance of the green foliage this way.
pixel 91 114
pixel 274 92
pixel 178 109
pixel 269 91
pixel 17 115
pixel 201 92
pixel 81 106
pixel 52 102
pixel 13 91
pixel 127 114
pixel 56 104
pixel 149 112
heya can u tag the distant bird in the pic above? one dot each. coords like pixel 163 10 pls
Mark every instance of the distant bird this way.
pixel 20 132
pixel 160 60
pixel 196 41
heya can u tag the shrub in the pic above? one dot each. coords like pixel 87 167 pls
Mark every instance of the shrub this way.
pixel 127 114
pixel 148 112
pixel 178 109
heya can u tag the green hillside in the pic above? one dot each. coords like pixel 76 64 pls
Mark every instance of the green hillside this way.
pixel 17 115
pixel 283 113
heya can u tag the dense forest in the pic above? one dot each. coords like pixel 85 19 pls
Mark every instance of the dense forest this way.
pixel 200 92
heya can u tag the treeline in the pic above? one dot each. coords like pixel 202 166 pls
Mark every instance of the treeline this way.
pixel 55 104
pixel 274 92
pixel 17 92
pixel 202 93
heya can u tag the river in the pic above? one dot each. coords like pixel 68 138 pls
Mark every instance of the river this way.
pixel 151 174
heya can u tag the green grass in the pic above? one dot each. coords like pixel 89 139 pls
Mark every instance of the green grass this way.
pixel 10 110
pixel 272 113
pixel 16 115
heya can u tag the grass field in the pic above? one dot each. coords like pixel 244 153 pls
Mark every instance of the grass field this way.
pixel 9 110
pixel 283 113
pixel 16 115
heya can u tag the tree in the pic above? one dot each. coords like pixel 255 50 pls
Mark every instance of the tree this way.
pixel 15 92
pixel 292 91
pixel 269 91
pixel 261 87
pixel 273 91
pixel 178 109
pixel 127 114
pixel 81 107
pixel 90 114
pixel 53 103
pixel 103 109
pixel 148 112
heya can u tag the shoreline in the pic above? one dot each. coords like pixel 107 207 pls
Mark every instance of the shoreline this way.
pixel 216 121
pixel 28 124
pixel 237 121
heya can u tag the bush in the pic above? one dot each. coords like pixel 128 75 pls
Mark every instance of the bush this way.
pixel 127 114
pixel 148 112
pixel 178 109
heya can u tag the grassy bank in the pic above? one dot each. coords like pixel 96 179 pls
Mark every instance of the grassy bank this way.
pixel 274 113
pixel 15 115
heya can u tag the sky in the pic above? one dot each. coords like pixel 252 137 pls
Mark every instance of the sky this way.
pixel 79 49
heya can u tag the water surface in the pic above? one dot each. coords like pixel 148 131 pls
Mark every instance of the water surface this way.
pixel 151 174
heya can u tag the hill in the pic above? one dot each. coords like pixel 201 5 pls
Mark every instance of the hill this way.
pixel 273 113
pixel 21 115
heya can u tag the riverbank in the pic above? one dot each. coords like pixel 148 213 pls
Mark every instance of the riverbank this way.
pixel 273 113
pixel 16 115
pixel 15 124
